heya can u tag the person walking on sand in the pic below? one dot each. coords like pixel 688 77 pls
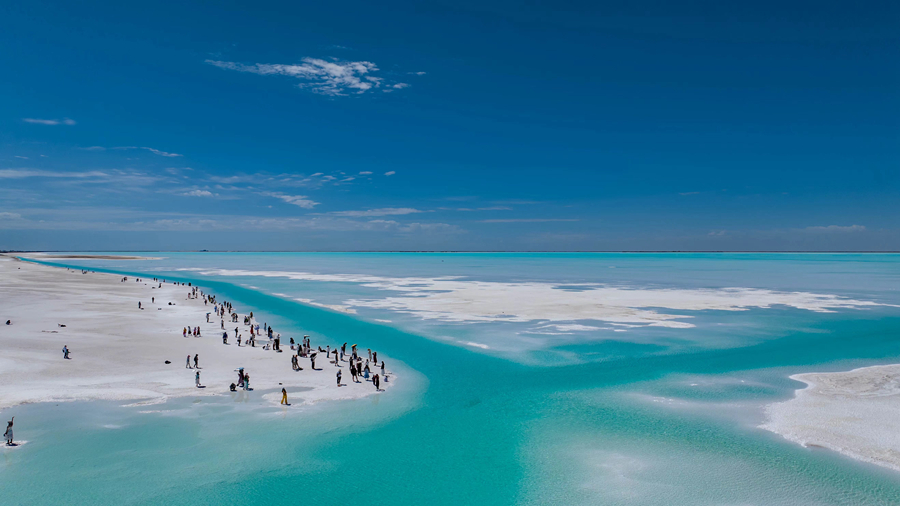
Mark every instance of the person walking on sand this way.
pixel 9 432
pixel 284 397
pixel 246 382
pixel 187 363
pixel 184 332
pixel 196 361
pixel 376 383
pixel 339 377
pixel 197 378
pixel 65 351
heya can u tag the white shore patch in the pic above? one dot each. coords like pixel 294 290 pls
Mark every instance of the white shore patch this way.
pixel 856 413
pixel 118 351
pixel 451 299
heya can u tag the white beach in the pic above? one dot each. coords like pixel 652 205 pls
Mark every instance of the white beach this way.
pixel 856 413
pixel 118 351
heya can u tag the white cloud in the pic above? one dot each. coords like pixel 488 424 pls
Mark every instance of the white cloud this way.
pixel 529 220
pixel 837 229
pixel 332 78
pixel 386 211
pixel 198 193
pixel 94 148
pixel 64 121
pixel 23 173
pixel 297 200
pixel 492 208
pixel 390 173
pixel 10 216
pixel 364 173
pixel 416 73
pixel 22 157
pixel 400 86
pixel 161 153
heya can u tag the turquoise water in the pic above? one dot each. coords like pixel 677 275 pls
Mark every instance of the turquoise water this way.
pixel 654 416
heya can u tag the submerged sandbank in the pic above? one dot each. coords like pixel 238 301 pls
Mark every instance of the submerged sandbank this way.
pixel 118 351
pixel 856 413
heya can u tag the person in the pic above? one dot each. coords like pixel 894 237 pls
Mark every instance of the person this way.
pixel 339 377
pixel 284 397
pixel 246 382
pixel 239 339
pixel 184 332
pixel 233 387
pixel 139 304
pixel 294 364
pixel 353 372
pixel 9 432
pixel 187 364
pixel 366 372
pixel 197 378
pixel 153 300
pixel 9 322
pixel 382 371
pixel 196 361
pixel 312 359
pixel 207 317
pixel 376 383
pixel 224 337
pixel 65 351
pixel 374 357
pixel 241 377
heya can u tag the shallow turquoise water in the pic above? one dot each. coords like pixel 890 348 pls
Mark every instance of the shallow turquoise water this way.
pixel 654 418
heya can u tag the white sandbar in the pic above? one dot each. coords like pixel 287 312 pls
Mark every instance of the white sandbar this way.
pixel 118 351
pixel 856 413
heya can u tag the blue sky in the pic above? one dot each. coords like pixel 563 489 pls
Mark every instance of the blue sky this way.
pixel 488 125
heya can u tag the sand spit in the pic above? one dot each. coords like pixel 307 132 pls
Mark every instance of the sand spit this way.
pixel 118 351
pixel 856 413
pixel 456 300
pixel 52 256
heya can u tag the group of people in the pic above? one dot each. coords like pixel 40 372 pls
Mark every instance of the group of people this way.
pixel 361 368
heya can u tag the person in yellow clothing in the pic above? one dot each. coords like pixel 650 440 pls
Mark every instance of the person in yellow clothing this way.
pixel 284 397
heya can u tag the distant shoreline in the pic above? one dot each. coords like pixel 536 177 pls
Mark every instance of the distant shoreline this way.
pixel 803 252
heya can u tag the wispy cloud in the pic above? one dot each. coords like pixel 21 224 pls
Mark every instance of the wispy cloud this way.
pixel 365 173
pixel 24 173
pixel 64 121
pixel 528 220
pixel 386 211
pixel 10 216
pixel 492 208
pixel 689 193
pixel 297 200
pixel 837 229
pixel 326 77
pixel 198 193
pixel 160 153
pixel 390 173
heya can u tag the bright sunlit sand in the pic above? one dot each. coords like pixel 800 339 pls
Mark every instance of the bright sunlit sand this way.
pixel 119 352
